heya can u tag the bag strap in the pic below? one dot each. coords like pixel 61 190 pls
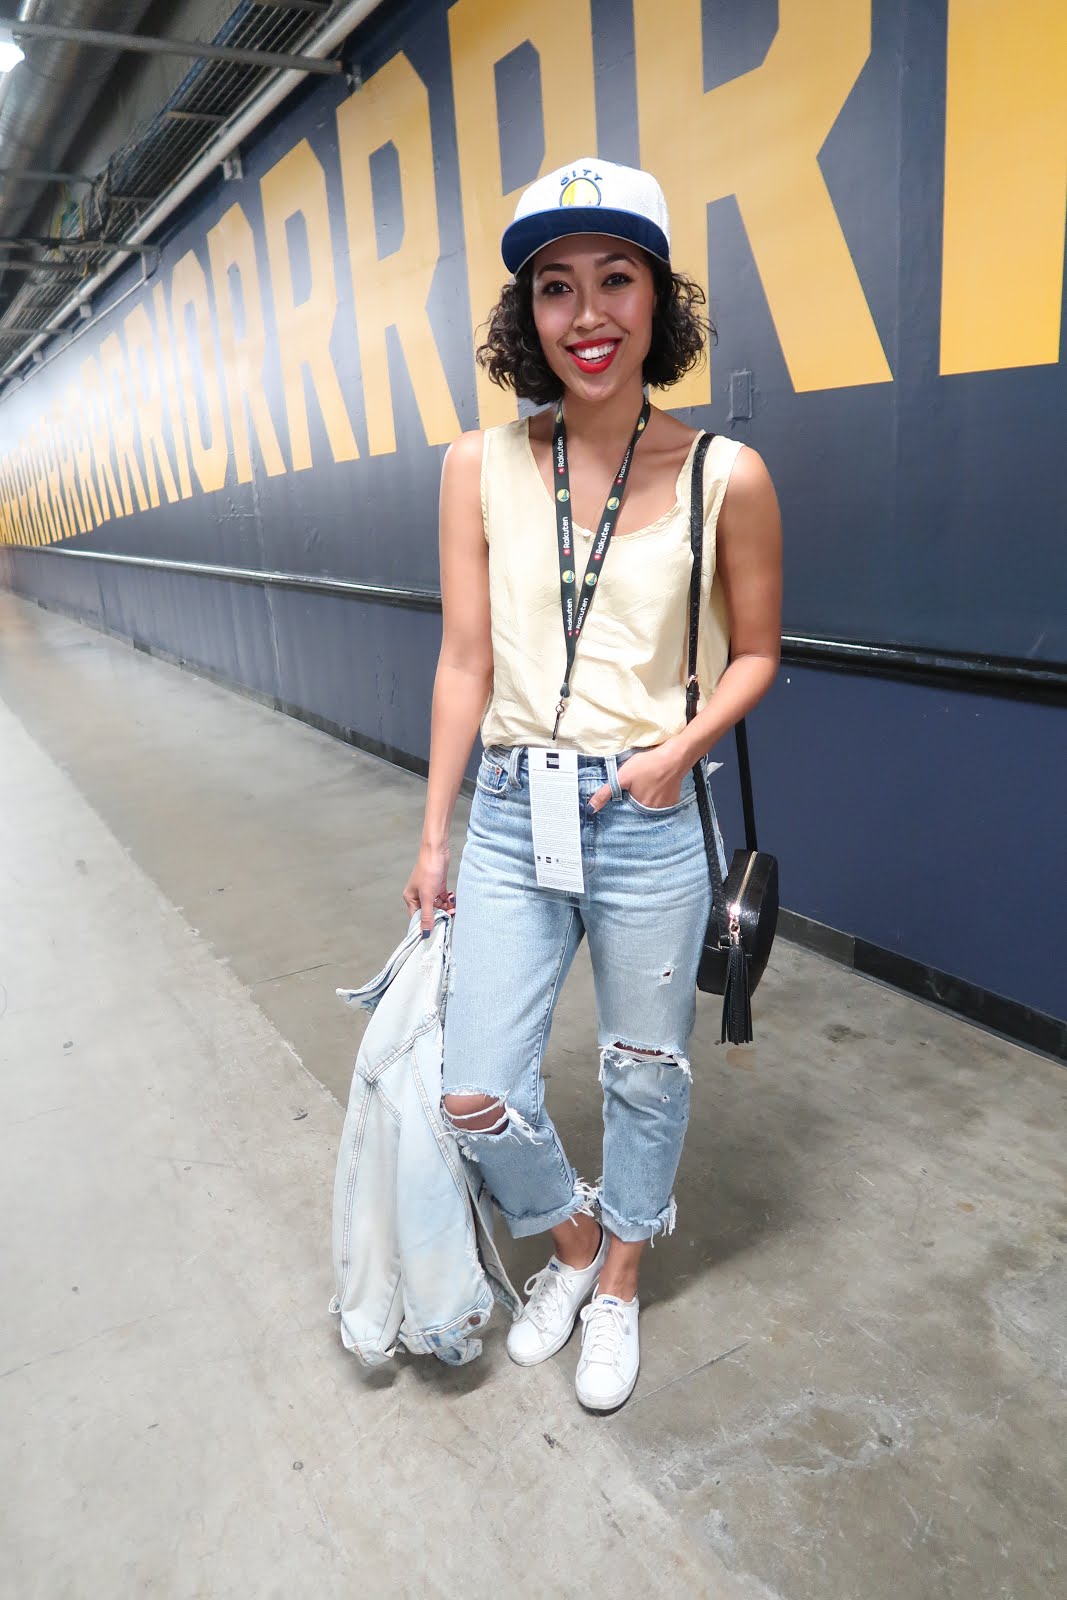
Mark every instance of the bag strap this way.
pixel 692 687
pixel 719 914
pixel 696 541
pixel 745 771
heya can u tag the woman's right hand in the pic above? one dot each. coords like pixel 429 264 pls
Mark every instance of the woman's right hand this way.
pixel 427 888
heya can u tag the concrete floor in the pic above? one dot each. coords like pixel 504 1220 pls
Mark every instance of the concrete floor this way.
pixel 854 1381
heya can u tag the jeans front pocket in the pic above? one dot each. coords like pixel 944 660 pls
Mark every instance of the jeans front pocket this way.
pixel 686 799
pixel 492 778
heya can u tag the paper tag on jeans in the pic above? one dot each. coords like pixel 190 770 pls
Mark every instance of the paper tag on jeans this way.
pixel 557 838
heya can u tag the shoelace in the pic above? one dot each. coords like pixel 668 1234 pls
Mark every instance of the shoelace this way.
pixel 605 1331
pixel 546 1294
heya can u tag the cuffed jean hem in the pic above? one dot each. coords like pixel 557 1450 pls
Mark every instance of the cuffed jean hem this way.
pixel 580 1203
pixel 638 1232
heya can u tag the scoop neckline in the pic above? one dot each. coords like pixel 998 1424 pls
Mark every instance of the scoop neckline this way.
pixel 651 527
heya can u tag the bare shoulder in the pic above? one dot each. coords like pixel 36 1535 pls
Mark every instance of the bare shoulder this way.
pixel 750 489
pixel 461 473
pixel 750 523
pixel 464 455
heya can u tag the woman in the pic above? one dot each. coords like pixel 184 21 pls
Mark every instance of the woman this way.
pixel 593 314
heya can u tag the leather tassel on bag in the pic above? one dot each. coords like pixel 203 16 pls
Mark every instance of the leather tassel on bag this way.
pixel 737 998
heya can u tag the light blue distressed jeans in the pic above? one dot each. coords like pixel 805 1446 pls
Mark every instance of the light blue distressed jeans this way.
pixel 643 910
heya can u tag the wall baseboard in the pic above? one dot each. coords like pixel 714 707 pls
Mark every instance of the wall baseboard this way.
pixel 1008 1018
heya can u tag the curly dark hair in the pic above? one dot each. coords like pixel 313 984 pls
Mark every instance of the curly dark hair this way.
pixel 513 357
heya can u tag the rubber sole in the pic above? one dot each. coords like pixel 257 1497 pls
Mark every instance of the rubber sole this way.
pixel 545 1355
pixel 601 1407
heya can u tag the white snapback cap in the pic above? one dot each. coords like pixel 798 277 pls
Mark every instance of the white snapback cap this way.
pixel 589 196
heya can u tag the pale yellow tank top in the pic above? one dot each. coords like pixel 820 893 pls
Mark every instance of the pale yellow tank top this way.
pixel 628 683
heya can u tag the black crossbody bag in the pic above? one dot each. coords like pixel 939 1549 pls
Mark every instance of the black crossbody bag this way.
pixel 744 909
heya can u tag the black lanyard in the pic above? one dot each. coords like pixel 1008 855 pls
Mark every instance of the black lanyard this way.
pixel 574 615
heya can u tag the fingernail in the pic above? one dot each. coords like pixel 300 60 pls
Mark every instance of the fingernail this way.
pixel 426 932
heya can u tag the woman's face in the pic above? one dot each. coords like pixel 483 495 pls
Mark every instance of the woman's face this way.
pixel 593 298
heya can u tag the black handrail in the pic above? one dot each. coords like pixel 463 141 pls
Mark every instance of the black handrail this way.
pixel 1013 675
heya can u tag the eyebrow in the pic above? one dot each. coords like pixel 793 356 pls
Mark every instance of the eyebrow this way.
pixel 601 261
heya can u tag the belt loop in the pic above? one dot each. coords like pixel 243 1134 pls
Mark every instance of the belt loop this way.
pixel 611 762
pixel 514 758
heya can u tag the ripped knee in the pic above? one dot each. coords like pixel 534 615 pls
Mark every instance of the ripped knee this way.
pixel 623 1058
pixel 475 1113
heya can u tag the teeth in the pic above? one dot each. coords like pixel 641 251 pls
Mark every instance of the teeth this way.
pixel 596 352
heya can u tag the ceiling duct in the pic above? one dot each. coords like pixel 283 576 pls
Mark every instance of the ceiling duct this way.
pixel 42 109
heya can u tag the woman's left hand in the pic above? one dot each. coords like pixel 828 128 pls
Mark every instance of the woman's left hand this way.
pixel 653 777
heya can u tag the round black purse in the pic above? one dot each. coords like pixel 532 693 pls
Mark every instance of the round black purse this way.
pixel 744 906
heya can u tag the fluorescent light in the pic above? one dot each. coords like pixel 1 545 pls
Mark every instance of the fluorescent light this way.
pixel 10 53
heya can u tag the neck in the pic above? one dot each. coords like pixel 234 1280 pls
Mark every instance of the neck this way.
pixel 604 422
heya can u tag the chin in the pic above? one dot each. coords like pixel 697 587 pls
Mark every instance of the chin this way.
pixel 595 386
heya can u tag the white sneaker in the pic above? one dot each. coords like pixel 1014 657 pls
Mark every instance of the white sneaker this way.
pixel 556 1292
pixel 611 1353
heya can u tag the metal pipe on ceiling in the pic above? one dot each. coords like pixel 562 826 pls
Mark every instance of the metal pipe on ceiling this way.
pixel 333 34
pixel 147 45
pixel 42 175
pixel 56 241
pixel 66 269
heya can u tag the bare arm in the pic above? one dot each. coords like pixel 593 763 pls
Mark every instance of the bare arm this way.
pixel 464 669
pixel 749 563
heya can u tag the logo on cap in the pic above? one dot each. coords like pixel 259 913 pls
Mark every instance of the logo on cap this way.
pixel 581 188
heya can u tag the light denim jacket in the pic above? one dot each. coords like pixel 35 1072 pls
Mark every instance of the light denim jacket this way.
pixel 414 1261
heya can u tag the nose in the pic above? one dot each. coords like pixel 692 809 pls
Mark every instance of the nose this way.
pixel 588 314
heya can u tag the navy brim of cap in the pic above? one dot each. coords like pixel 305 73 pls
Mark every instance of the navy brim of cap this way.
pixel 524 238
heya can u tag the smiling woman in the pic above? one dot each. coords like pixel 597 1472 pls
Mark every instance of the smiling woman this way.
pixel 585 820
pixel 512 353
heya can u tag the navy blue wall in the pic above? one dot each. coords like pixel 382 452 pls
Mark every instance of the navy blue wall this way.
pixel 926 822
pixel 924 493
